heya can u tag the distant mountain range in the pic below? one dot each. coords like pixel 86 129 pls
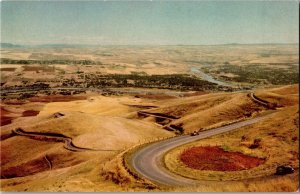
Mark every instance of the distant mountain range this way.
pixel 9 45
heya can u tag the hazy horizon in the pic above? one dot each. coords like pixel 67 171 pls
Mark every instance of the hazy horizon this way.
pixel 96 45
pixel 149 22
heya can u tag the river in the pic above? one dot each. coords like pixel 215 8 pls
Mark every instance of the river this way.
pixel 207 77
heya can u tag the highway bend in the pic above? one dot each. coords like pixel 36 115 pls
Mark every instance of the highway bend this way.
pixel 148 161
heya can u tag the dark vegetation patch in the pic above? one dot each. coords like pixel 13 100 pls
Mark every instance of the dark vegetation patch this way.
pixel 155 96
pixel 29 113
pixel 49 62
pixel 216 159
pixel 258 74
pixel 8 69
pixel 25 169
pixel 4 119
pixel 13 102
pixel 174 81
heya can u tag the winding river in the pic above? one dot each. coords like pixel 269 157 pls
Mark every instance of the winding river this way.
pixel 196 71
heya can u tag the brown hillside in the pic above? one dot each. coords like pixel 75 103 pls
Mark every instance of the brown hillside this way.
pixel 216 109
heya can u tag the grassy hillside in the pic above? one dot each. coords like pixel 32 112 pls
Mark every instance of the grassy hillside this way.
pixel 96 123
pixel 278 141
pixel 108 123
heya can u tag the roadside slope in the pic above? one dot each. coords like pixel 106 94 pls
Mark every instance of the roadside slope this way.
pixel 217 109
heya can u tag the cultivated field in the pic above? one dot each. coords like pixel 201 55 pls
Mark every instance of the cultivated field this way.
pixel 170 67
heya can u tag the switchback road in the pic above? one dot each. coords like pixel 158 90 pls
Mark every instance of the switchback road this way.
pixel 56 138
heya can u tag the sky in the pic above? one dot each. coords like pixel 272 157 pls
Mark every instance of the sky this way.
pixel 149 22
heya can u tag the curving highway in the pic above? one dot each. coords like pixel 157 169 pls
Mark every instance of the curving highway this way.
pixel 148 161
pixel 55 137
pixel 259 100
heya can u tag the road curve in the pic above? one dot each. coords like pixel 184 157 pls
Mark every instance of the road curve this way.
pixel 259 100
pixel 148 163
pixel 55 137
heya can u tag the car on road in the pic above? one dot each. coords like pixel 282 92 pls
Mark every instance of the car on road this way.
pixel 194 133
pixel 284 169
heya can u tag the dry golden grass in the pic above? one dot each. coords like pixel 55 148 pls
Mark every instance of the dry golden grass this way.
pixel 97 105
pixel 289 183
pixel 216 109
pixel 117 171
pixel 210 110
pixel 97 124
pixel 106 123
pixel 286 90
pixel 284 96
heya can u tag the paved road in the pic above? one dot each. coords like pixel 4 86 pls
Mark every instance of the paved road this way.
pixel 258 100
pixel 50 137
pixel 148 160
